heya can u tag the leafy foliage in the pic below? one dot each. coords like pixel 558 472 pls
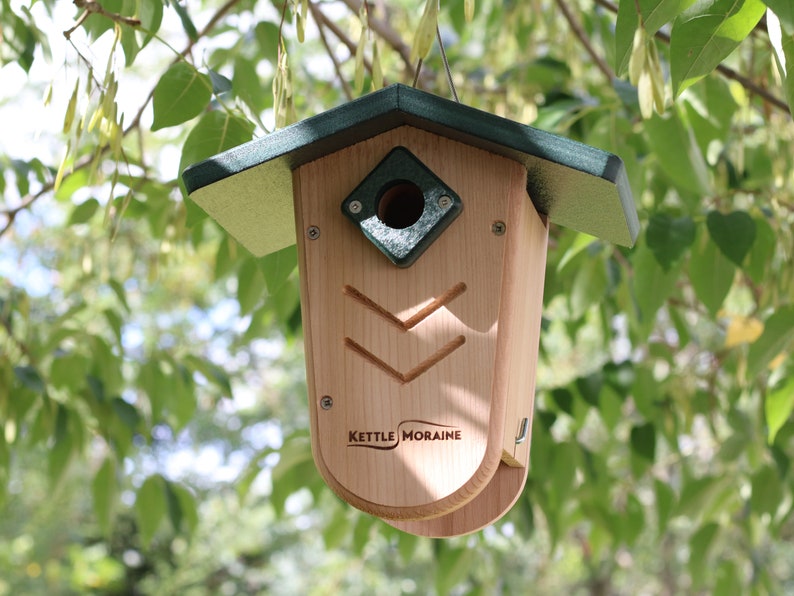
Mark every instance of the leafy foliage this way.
pixel 151 384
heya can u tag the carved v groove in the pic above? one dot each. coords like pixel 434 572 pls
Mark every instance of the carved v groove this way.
pixel 411 322
pixel 419 369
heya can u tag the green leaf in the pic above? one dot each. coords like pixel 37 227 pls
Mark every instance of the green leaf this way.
pixel 669 237
pixel 267 36
pixel 184 17
pixel 632 520
pixel 83 212
pixel 251 287
pixel 782 41
pixel 589 286
pixel 30 378
pixel 665 500
pixel 278 266
pixel 762 251
pixel 181 507
pixel 777 335
pixel 104 489
pixel 675 146
pixel 704 36
pixel 454 565
pixel 699 548
pixel 69 372
pixel 729 579
pixel 710 273
pixel 654 13
pixel 150 13
pixel 590 387
pixel 60 454
pixel 215 132
pixel 564 400
pixel 337 529
pixel 150 507
pixel 643 441
pixel 734 233
pixel 768 491
pixel 181 93
pixel 126 413
pixel 652 286
pixel 212 372
pixel 778 406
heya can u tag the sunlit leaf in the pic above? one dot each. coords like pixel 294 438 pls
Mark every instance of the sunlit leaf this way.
pixel 778 405
pixel 705 35
pixel 777 336
pixel 181 93
pixel 425 31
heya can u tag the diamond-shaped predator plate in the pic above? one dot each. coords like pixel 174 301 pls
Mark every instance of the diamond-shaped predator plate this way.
pixel 402 207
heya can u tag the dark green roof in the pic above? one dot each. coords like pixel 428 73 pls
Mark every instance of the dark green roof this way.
pixel 576 185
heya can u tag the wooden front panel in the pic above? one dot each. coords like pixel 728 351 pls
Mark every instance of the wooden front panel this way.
pixel 409 356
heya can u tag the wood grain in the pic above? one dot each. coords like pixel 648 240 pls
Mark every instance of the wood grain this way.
pixel 408 463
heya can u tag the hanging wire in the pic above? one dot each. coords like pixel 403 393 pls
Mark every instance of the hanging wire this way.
pixel 446 67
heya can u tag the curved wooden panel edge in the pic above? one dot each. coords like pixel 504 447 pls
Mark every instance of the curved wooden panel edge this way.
pixel 490 505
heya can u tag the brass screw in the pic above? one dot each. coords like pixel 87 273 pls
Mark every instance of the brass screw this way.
pixel 498 228
pixel 312 232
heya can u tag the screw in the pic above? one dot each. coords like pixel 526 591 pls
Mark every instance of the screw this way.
pixel 498 228
pixel 326 402
pixel 444 201
pixel 312 232
pixel 354 207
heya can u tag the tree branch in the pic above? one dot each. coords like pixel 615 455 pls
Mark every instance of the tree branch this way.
pixel 580 33
pixel 337 67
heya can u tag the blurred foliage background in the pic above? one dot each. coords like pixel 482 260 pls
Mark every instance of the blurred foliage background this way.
pixel 153 420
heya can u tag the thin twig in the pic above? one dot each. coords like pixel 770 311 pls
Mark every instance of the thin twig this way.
pixel 342 37
pixel 92 7
pixel 337 67
pixel 576 27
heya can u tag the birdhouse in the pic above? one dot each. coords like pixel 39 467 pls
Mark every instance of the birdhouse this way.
pixel 422 227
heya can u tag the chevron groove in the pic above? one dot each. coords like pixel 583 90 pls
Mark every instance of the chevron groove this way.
pixel 416 371
pixel 413 321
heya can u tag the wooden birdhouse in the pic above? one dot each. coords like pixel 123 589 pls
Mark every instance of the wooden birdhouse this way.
pixel 422 227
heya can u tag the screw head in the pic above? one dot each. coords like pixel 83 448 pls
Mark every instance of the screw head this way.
pixel 498 228
pixel 444 201
pixel 327 402
pixel 354 207
pixel 312 232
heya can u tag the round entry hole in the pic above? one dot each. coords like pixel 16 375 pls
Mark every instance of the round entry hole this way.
pixel 401 205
